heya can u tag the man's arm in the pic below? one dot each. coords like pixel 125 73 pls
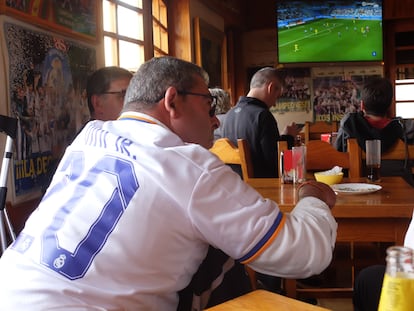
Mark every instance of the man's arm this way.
pixel 340 142
pixel 254 231
pixel 305 244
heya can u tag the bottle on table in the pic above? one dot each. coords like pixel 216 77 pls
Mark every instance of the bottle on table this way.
pixel 397 292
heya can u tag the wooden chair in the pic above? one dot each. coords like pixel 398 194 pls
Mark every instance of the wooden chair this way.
pixel 321 156
pixel 313 130
pixel 397 152
pixel 400 151
pixel 230 154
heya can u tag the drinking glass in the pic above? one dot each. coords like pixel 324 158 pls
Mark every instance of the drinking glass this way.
pixel 373 159
pixel 299 164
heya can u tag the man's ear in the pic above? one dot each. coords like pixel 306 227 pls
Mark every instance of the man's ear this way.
pixel 270 87
pixel 96 103
pixel 362 105
pixel 170 102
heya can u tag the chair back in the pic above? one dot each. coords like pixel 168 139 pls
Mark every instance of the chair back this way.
pixel 399 151
pixel 313 130
pixel 230 154
pixel 321 156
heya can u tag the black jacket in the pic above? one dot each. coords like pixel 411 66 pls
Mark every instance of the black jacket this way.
pixel 354 125
pixel 251 119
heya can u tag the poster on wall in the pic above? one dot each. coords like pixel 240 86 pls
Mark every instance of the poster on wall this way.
pixel 296 95
pixel 75 18
pixel 47 79
pixel 336 91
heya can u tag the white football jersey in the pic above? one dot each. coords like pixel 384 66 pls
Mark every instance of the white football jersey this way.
pixel 129 216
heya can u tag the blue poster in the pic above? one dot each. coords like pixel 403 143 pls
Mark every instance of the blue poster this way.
pixel 47 77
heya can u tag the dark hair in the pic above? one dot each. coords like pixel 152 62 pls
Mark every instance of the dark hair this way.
pixel 100 80
pixel 266 75
pixel 377 96
pixel 149 83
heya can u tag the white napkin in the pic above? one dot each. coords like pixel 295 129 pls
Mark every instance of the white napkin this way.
pixel 334 171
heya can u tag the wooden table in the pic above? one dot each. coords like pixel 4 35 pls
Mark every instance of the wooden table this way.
pixel 382 216
pixel 262 300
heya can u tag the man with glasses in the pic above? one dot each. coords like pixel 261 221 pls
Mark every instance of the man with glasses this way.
pixel 105 90
pixel 136 202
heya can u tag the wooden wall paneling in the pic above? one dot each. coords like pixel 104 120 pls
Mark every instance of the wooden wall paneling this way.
pixel 180 29
pixel 261 14
pixel 233 11
pixel 240 74
pixel 148 34
pixel 231 65
pixel 397 9
pixel 236 73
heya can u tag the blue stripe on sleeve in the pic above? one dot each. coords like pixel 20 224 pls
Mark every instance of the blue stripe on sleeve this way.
pixel 263 241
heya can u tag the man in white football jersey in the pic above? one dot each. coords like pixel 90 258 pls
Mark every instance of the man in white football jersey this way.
pixel 136 202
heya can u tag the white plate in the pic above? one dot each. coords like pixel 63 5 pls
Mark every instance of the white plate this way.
pixel 355 188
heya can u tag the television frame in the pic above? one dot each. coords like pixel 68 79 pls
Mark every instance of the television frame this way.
pixel 322 62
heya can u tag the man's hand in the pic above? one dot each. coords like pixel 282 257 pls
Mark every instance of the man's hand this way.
pixel 318 190
pixel 292 130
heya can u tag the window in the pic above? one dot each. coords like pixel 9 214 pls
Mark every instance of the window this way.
pixel 159 27
pixel 126 34
pixel 404 93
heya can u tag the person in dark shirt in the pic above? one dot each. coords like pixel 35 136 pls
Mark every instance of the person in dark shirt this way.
pixel 252 120
pixel 372 122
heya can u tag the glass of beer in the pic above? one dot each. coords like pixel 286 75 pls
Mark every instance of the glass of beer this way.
pixel 373 159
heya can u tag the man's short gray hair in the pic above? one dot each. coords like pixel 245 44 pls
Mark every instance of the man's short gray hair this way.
pixel 266 75
pixel 149 83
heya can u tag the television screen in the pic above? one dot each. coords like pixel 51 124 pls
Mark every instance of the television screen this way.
pixel 329 31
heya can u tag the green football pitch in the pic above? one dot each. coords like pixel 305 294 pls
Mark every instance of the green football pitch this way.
pixel 331 40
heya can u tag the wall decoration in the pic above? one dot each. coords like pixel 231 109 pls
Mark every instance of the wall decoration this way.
pixel 296 94
pixel 75 18
pixel 47 79
pixel 336 91
pixel 210 52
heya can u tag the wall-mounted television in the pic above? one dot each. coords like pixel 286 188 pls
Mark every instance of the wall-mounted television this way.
pixel 332 31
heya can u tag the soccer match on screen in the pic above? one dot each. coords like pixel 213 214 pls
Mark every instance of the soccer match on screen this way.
pixel 329 31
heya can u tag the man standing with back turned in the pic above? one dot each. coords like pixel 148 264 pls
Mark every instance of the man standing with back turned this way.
pixel 136 202
pixel 252 120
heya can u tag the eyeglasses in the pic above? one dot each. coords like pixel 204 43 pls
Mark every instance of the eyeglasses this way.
pixel 213 100
pixel 119 93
